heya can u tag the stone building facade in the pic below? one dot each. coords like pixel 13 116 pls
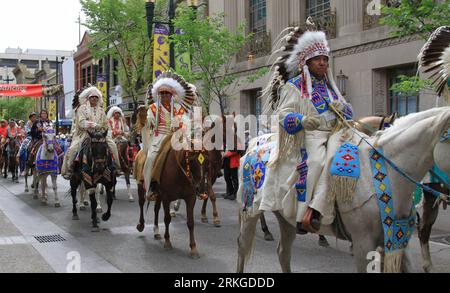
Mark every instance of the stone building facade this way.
pixel 365 60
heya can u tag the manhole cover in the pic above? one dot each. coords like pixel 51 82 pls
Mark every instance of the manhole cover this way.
pixel 49 238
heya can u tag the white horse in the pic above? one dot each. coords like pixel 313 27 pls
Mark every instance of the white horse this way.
pixel 46 165
pixel 413 145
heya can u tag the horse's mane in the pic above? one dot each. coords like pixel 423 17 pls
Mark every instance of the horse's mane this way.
pixel 403 123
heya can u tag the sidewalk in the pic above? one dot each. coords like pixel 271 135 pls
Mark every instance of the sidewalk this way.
pixel 17 255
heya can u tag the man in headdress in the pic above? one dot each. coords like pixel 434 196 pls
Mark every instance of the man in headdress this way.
pixel 117 125
pixel 25 143
pixel 306 99
pixel 88 116
pixel 173 97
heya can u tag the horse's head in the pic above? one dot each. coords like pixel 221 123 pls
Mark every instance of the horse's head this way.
pixel 197 166
pixel 49 140
pixel 99 149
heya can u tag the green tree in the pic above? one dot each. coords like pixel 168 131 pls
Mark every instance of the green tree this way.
pixel 409 17
pixel 16 108
pixel 212 47
pixel 118 28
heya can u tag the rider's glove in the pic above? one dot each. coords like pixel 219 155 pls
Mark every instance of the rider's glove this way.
pixel 310 123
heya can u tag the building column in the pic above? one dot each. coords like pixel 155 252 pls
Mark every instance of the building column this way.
pixel 349 16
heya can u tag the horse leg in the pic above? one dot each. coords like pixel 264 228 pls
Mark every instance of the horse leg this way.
pixel 109 202
pixel 204 217
pixel 176 207
pixel 287 237
pixel 430 213
pixel 26 180
pixel 55 190
pixel 73 191
pixel 267 235
pixel 95 227
pixel 173 214
pixel 127 179
pixel 156 233
pixel 43 178
pixel 216 219
pixel 97 196
pixel 167 220
pixel 83 198
pixel 141 193
pixel 361 247
pixel 190 223
pixel 246 240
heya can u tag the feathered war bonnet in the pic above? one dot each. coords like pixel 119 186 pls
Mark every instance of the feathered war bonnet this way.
pixel 296 48
pixel 434 61
pixel 113 111
pixel 182 92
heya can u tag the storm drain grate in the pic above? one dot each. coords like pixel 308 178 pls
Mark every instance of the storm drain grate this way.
pixel 49 238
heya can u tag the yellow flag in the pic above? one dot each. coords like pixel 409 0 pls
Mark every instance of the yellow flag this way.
pixel 52 109
pixel 161 51
pixel 103 87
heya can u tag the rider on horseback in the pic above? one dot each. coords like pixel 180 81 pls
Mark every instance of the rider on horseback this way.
pixel 89 116
pixel 174 98
pixel 305 99
pixel 117 125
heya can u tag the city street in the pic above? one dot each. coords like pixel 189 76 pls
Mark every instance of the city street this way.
pixel 119 247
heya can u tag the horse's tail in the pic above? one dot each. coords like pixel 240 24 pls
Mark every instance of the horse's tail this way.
pixel 248 251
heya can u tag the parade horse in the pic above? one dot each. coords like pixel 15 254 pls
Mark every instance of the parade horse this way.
pixel 47 164
pixel 94 166
pixel 11 163
pixel 413 145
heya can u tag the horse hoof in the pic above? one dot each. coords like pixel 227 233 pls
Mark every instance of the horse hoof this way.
pixel 82 208
pixel 57 205
pixel 158 237
pixel 86 203
pixel 27 190
pixel 217 224
pixel 173 214
pixel 204 220
pixel 131 199
pixel 99 210
pixel 75 218
pixel 194 255
pixel 268 237
pixel 140 228
pixel 168 246
pixel 324 243
pixel 95 230
pixel 106 217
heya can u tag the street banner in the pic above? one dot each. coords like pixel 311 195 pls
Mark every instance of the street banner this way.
pixel 161 51
pixel 52 109
pixel 182 59
pixel 102 85
pixel 21 90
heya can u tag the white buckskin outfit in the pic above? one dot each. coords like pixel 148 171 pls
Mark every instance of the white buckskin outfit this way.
pixel 302 102
pixel 87 118
pixel 164 120
pixel 118 127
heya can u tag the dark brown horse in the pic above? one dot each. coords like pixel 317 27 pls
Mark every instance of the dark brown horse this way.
pixel 125 164
pixel 11 162
pixel 429 216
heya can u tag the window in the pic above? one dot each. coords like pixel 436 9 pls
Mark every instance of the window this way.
pixel 318 8
pixel 89 74
pixel 83 77
pixel 403 103
pixel 258 16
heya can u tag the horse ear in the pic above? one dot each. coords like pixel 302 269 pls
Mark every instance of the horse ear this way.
pixel 90 134
pixel 105 133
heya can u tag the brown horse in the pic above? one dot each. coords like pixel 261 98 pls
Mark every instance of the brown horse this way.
pixel 11 163
pixel 195 173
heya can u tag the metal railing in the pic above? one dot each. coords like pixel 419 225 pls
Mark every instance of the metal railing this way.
pixel 259 46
